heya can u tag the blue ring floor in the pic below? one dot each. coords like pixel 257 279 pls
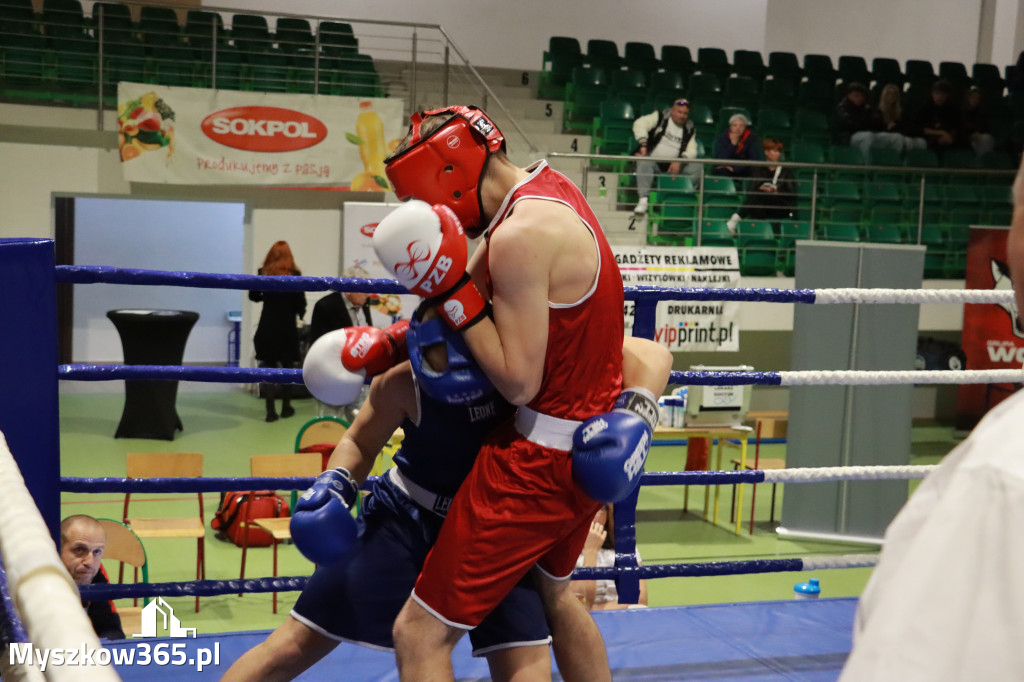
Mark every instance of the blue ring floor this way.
pixel 782 640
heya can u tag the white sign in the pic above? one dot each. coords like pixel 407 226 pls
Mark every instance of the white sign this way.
pixel 685 325
pixel 361 260
pixel 194 136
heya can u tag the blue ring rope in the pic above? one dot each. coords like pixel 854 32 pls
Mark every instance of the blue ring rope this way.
pixel 209 588
pixel 103 274
pixel 71 484
pixel 11 628
pixel 244 375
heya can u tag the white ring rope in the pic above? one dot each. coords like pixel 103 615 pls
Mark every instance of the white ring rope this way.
pixel 46 598
pixel 850 295
pixel 853 377
pixel 821 563
pixel 849 473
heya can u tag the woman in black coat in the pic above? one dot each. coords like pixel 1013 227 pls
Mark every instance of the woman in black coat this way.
pixel 277 334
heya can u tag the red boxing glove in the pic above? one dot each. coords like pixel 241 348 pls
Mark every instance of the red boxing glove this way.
pixel 374 350
pixel 424 246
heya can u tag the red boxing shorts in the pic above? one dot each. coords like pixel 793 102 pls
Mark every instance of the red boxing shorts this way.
pixel 519 507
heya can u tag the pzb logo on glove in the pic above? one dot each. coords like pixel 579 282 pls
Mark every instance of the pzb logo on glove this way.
pixel 435 276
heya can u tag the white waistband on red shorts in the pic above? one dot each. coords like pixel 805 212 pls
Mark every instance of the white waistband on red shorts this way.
pixel 436 503
pixel 543 429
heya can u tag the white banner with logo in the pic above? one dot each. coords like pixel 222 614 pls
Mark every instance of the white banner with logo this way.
pixel 193 136
pixel 685 325
pixel 360 259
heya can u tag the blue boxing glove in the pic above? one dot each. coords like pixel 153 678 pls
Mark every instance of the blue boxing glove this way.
pixel 322 525
pixel 609 450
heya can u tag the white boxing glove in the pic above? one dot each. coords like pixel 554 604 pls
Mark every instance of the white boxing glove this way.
pixel 338 363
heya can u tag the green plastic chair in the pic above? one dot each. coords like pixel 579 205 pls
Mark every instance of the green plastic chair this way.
pixel 784 65
pixel 749 63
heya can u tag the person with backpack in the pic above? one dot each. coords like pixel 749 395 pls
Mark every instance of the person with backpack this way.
pixel 665 133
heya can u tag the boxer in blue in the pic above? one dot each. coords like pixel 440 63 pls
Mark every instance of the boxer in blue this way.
pixel 368 566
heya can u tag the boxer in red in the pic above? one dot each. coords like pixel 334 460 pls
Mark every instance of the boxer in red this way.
pixel 553 348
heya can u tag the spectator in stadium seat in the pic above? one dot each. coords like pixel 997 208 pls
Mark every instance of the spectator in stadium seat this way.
pixel 896 132
pixel 975 122
pixel 939 119
pixel 856 122
pixel 737 143
pixel 771 194
pixel 671 134
pixel 82 541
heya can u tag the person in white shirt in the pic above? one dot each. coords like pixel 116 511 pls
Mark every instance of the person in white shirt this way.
pixel 946 601
pixel 666 134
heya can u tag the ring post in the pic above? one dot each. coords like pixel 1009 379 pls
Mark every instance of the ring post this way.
pixel 28 365
pixel 626 584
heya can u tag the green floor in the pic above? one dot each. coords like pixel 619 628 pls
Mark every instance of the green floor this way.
pixel 227 427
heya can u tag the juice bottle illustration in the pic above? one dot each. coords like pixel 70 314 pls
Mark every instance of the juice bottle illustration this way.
pixel 372 150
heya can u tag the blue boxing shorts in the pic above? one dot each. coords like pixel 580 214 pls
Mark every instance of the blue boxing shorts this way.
pixel 357 599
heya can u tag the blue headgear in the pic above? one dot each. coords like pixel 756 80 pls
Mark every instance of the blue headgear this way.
pixel 463 383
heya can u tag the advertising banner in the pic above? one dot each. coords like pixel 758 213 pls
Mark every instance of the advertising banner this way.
pixel 990 338
pixel 360 260
pixel 194 136
pixel 684 325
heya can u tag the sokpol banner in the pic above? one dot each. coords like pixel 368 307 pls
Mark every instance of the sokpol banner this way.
pixel 192 136
pixel 685 325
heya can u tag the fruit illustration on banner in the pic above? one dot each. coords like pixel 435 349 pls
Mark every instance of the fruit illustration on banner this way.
pixel 145 124
pixel 369 136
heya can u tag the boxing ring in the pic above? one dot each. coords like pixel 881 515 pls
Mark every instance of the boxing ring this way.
pixel 806 639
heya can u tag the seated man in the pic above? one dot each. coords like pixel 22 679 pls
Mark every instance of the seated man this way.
pixel 856 122
pixel 82 541
pixel 669 133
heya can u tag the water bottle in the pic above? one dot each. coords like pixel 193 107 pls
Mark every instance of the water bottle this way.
pixel 807 590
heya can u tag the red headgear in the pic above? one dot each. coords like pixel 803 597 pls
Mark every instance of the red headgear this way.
pixel 447 166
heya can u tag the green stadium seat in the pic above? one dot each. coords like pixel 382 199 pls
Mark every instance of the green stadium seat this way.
pixel 587 88
pixel 885 233
pixel 269 72
pixel 677 59
pixel 779 93
pixel 853 69
pixel 641 56
pixel 819 67
pixel 758 248
pixel 790 231
pixel 603 54
pixel 115 20
pixel 723 212
pixel 921 158
pixel 294 36
pixel 676 189
pixel 956 74
pixel 159 25
pixel 666 87
pixel 816 95
pixel 63 19
pixel 715 233
pixel 988 78
pixel 750 64
pixel 17 16
pixel 250 34
pixel 172 65
pixel 714 60
pixel 612 130
pixel 75 71
pixel 841 232
pixel 629 85
pixel 937 253
pixel 200 27
pixel 919 71
pixel 741 91
pixel 702 116
pixel 997 204
pixel 706 89
pixel 784 65
pixel 772 122
pixel 677 220
pixel 845 154
pixel 887 70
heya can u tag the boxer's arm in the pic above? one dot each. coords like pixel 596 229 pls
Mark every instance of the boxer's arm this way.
pixel 645 364
pixel 511 349
pixel 392 398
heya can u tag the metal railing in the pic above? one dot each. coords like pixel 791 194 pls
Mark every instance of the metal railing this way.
pixel 62 57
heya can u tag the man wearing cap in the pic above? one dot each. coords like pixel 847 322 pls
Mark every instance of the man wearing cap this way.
pixel 665 134
pixel 857 123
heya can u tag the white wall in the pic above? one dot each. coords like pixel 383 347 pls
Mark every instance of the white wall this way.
pixel 936 30
pixel 489 37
